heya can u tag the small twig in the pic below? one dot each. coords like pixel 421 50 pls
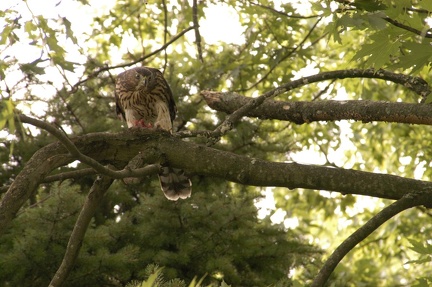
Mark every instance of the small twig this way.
pixel 125 173
pixel 69 174
pixel 408 201
pixel 297 47
pixel 323 91
pixel 196 28
pixel 283 13
pixel 426 34
pixel 70 110
pixel 165 9
pixel 107 68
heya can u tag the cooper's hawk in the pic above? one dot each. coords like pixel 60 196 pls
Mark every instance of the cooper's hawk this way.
pixel 144 99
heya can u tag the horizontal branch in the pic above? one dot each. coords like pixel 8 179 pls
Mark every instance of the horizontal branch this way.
pixel 416 84
pixel 300 112
pixel 119 148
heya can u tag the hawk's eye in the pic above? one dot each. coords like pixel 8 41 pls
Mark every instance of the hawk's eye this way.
pixel 137 76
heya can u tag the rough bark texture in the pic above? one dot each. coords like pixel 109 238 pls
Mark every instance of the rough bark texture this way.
pixel 305 112
pixel 119 148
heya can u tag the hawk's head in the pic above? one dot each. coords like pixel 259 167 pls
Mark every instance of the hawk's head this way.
pixel 137 79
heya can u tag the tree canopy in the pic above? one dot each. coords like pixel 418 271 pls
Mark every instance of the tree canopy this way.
pixel 303 125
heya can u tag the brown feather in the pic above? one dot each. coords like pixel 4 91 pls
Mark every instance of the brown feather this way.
pixel 144 99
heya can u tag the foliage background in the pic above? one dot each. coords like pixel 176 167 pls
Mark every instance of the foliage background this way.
pixel 67 78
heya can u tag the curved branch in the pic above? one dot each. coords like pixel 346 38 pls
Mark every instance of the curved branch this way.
pixel 301 112
pixel 408 201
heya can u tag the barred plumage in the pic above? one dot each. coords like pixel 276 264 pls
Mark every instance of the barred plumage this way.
pixel 144 99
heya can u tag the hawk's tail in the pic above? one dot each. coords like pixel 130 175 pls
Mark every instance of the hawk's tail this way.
pixel 174 183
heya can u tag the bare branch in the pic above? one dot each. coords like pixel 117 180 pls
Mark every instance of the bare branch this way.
pixel 196 28
pixel 415 84
pixel 408 201
pixel 426 34
pixel 80 173
pixel 301 112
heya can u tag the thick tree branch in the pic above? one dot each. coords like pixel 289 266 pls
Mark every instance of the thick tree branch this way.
pixel 306 112
pixel 408 201
pixel 415 84
pixel 94 198
pixel 119 148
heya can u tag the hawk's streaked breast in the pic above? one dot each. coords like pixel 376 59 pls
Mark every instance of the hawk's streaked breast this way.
pixel 144 99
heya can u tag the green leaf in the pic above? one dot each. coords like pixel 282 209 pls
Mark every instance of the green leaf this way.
pixel 425 4
pixel 151 280
pixel 419 247
pixel 428 99
pixel 419 261
pixel 29 27
pixel 423 282
pixel 380 50
pixel 32 68
pixel 419 56
pixel 5 34
pixel 7 112
pixel 69 31
pixel 369 5
pixel 197 284
pixel 333 31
